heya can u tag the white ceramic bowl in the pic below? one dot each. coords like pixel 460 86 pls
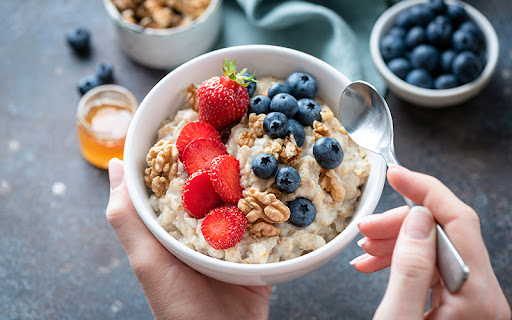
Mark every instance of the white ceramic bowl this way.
pixel 168 48
pixel 430 97
pixel 167 97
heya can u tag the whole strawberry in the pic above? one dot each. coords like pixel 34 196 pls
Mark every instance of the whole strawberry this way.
pixel 224 100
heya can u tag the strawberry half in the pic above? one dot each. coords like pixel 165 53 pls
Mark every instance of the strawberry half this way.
pixel 199 154
pixel 224 227
pixel 194 130
pixel 224 100
pixel 198 195
pixel 225 177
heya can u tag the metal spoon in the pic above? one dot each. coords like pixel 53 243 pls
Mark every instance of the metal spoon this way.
pixel 365 115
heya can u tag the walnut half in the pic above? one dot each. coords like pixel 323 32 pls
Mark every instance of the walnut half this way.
pixel 329 181
pixel 162 160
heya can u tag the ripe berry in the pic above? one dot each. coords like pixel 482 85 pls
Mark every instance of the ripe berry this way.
pixel 391 47
pixel 278 87
pixel 275 125
pixel 251 87
pixel 198 195
pixel 328 152
pixel 195 130
pixel 425 57
pixel 287 179
pixel 105 72
pixel 87 83
pixel 302 85
pixel 445 81
pixel 308 111
pixel 284 103
pixel 79 40
pixel 259 104
pixel 224 227
pixel 225 177
pixel 264 165
pixel 419 78
pixel 400 67
pixel 466 67
pixel 295 128
pixel 302 212
pixel 199 154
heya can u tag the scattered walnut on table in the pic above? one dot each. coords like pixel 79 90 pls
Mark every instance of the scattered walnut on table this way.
pixel 263 208
pixel 162 160
pixel 255 130
pixel 330 182
pixel 320 130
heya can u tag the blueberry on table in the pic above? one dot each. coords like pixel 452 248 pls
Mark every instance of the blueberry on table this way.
pixel 400 67
pixel 439 32
pixel 259 104
pixel 466 67
pixel 425 57
pixel 87 83
pixel 463 40
pixel 328 152
pixel 284 103
pixel 302 212
pixel 251 88
pixel 456 13
pixel 295 128
pixel 414 37
pixel 275 125
pixel 278 87
pixel 105 72
pixel 445 81
pixel 302 85
pixel 447 60
pixel 79 40
pixel 419 78
pixel 287 179
pixel 264 165
pixel 391 47
pixel 308 111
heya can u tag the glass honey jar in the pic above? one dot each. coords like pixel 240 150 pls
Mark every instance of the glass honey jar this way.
pixel 103 116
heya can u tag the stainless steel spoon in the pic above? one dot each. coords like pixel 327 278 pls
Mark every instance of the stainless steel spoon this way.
pixel 365 115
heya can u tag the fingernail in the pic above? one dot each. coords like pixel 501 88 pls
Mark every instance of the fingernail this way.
pixel 115 173
pixel 419 223
pixel 362 241
pixel 360 258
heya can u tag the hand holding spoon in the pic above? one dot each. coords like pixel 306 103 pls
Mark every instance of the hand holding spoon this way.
pixel 366 117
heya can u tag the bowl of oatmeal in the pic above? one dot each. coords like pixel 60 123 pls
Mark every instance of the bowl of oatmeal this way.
pixel 164 34
pixel 271 249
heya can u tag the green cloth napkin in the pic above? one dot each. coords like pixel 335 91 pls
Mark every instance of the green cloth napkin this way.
pixel 336 31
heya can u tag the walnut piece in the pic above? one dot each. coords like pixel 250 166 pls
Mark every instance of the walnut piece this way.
pixel 255 130
pixel 320 130
pixel 263 207
pixel 191 92
pixel 290 152
pixel 329 181
pixel 326 114
pixel 162 160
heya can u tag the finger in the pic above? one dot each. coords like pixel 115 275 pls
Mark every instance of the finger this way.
pixel 369 264
pixel 412 267
pixel 377 248
pixel 384 225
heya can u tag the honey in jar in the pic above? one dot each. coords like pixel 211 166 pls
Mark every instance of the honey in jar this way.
pixel 103 117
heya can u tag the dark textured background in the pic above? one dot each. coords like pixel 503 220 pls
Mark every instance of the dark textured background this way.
pixel 59 258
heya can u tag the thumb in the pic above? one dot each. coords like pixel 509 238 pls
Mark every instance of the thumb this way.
pixel 412 268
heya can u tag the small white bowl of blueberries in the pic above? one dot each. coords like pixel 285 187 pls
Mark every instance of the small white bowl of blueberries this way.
pixel 434 53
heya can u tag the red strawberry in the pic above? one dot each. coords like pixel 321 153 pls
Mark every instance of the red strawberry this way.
pixel 224 227
pixel 194 130
pixel 224 100
pixel 225 177
pixel 198 195
pixel 199 154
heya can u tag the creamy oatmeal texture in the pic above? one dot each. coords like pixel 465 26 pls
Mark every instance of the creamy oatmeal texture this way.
pixel 333 192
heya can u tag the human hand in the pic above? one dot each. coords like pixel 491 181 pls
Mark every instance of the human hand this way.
pixel 405 240
pixel 173 290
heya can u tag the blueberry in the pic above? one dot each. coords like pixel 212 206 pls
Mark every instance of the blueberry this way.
pixel 275 125
pixel 302 85
pixel 396 31
pixel 308 111
pixel 87 83
pixel 404 20
pixel 259 104
pixel 295 128
pixel 328 152
pixel 427 15
pixel 438 6
pixel 419 78
pixel 414 37
pixel 475 30
pixel 400 67
pixel 105 72
pixel 425 57
pixel 79 40
pixel 417 16
pixel 445 81
pixel 278 87
pixel 447 60
pixel 287 179
pixel 466 67
pixel 264 165
pixel 463 40
pixel 252 85
pixel 302 212
pixel 391 47
pixel 284 103
pixel 439 32
pixel 456 13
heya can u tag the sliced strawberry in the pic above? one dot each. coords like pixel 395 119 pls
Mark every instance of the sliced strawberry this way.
pixel 198 195
pixel 225 177
pixel 194 130
pixel 199 154
pixel 224 227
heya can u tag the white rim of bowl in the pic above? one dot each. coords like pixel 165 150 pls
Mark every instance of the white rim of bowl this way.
pixel 491 43
pixel 321 253
pixel 118 19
